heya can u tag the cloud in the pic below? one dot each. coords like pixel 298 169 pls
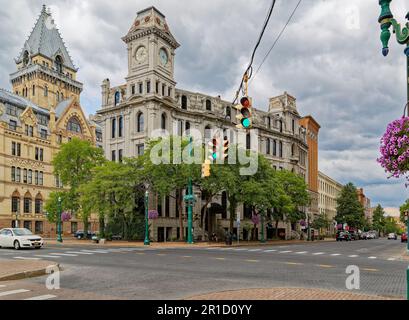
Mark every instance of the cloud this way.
pixel 329 58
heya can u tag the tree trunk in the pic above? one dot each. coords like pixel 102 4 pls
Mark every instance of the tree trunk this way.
pixel 276 231
pixel 85 221
pixel 232 210
pixel 204 209
pixel 102 226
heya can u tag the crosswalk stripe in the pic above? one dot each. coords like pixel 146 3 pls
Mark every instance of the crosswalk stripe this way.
pixel 372 258
pixel 95 251
pixel 64 254
pixel 391 259
pixel 9 293
pixel 302 252
pixel 318 253
pixel 270 250
pixel 335 254
pixel 353 256
pixel 285 251
pixel 240 249
pixel 44 297
pixel 46 256
pixel 254 250
pixel 26 258
pixel 77 252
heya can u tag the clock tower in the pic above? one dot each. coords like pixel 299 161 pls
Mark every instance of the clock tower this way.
pixel 151 53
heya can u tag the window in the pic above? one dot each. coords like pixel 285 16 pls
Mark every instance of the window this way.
pixel 29 130
pixel 45 91
pixel 292 150
pixel 207 133
pixel 13 174
pixel 39 154
pixel 15 204
pixel 140 88
pixel 34 90
pixel 167 206
pixel 59 139
pixel 280 149
pixel 293 125
pixel 113 156
pixel 26 58
pixel 157 87
pixel 184 102
pixel 120 155
pixel 121 126
pixel 140 149
pixel 58 182
pixel 208 105
pixel 117 98
pixel 13 125
pixel 30 177
pixel 248 141
pixel 16 149
pixel 113 128
pixel 58 96
pixel 268 143
pixel 74 125
pixel 43 134
pixel 163 121
pixel 187 127
pixel 40 178
pixel 39 227
pixel 58 64
pixel 12 111
pixel 140 124
pixel 27 225
pixel 18 175
pixel 133 89
pixel 27 205
pixel 38 206
pixel 169 91
pixel 42 119
pixel 275 148
pixel 148 87
pixel 163 89
pixel 281 125
pixel 74 227
pixel 25 176
pixel 36 177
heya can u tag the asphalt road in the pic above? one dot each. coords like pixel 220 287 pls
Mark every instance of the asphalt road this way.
pixel 178 273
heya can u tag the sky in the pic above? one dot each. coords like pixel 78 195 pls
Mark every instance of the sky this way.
pixel 329 58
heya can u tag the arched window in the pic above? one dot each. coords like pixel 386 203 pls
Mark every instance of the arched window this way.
pixel 248 141
pixel 228 112
pixel 187 126
pixel 58 64
pixel 163 121
pixel 208 105
pixel 268 143
pixel 27 203
pixel 207 132
pixel 293 149
pixel 275 148
pixel 280 149
pixel 281 125
pixel 140 122
pixel 117 97
pixel 38 204
pixel 120 126
pixel 74 125
pixel 26 58
pixel 184 102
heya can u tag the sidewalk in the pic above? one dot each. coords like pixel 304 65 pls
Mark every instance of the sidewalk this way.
pixel 73 242
pixel 288 294
pixel 15 270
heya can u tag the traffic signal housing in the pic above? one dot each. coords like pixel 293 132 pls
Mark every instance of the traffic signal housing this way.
pixel 225 149
pixel 213 150
pixel 206 169
pixel 244 116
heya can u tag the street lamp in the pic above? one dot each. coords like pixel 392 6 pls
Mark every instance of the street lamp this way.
pixel 190 200
pixel 59 224
pixel 147 241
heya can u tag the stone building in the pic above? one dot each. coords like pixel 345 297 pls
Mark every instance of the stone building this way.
pixel 328 193
pixel 366 203
pixel 149 100
pixel 41 113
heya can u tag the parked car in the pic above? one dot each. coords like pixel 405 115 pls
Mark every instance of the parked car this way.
pixel 392 236
pixel 343 236
pixel 354 235
pixel 116 237
pixel 80 235
pixel 18 238
pixel 363 236
pixel 371 235
pixel 404 237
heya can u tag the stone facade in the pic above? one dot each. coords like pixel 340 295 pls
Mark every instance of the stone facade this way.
pixel 34 122
pixel 366 203
pixel 149 101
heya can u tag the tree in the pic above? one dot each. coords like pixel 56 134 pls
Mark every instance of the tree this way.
pixel 349 209
pixel 403 208
pixel 321 222
pixel 378 220
pixel 51 206
pixel 391 226
pixel 73 164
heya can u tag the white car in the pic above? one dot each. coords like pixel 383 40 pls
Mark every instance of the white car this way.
pixel 19 238
pixel 392 236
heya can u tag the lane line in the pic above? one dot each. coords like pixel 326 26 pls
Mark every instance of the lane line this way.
pixel 77 252
pixel 294 263
pixel 187 257
pixel 63 254
pixel 95 251
pixel 220 258
pixel 325 266
pixel 140 253
pixel 161 254
pixel 372 258
pixel 353 256
pixel 318 253
pixel 45 256
pixel 252 261
pixel 9 293
pixel 240 249
pixel 44 297
pixel 370 270
pixel 26 258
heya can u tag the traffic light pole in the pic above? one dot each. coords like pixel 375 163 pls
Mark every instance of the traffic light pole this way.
pixel 190 200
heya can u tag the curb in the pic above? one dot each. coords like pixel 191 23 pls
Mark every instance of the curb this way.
pixel 28 274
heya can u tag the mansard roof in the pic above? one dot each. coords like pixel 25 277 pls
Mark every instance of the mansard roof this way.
pixel 45 39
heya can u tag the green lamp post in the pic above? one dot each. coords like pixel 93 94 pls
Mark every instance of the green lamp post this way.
pixel 59 223
pixel 190 200
pixel 147 241
pixel 386 20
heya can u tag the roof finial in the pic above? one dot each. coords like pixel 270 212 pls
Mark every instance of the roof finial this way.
pixel 44 8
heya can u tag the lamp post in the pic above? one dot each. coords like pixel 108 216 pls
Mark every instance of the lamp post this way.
pixel 386 20
pixel 262 240
pixel 59 226
pixel 190 201
pixel 147 241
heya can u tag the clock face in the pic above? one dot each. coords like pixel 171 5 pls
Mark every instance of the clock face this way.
pixel 141 54
pixel 163 55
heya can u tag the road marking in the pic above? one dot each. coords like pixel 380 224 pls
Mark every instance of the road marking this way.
pixel 270 250
pixel 45 256
pixel 294 263
pixel 353 256
pixel 285 251
pixel 372 258
pixel 45 297
pixel 220 258
pixel 371 270
pixel 161 254
pixel 64 254
pixel 26 258
pixel 335 254
pixel 76 252
pixel 2 286
pixel 391 259
pixel 140 253
pixel 186 257
pixel 9 293
pixel 318 253
pixel 240 249
pixel 254 250
pixel 301 252
pixel 252 260
pixel 95 251
pixel 325 266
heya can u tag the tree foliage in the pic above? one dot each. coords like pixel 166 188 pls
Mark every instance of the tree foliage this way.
pixel 349 209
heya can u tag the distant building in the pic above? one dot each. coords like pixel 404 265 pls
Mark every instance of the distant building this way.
pixel 366 203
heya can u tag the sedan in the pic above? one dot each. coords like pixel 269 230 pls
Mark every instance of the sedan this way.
pixel 392 236
pixel 18 238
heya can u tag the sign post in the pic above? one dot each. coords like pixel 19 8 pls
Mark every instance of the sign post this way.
pixel 238 228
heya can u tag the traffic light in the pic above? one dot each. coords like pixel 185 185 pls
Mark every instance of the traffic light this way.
pixel 206 169
pixel 225 149
pixel 213 150
pixel 244 116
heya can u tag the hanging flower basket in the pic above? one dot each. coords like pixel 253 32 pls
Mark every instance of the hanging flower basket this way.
pixel 395 148
pixel 65 216
pixel 153 214
pixel 255 218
